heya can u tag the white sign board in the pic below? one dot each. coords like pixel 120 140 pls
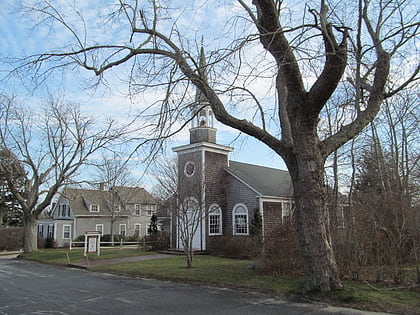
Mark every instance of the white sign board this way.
pixel 92 242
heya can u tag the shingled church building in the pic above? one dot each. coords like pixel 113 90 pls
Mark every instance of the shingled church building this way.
pixel 229 192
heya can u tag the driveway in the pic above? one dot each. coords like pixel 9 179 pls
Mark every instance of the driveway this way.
pixel 32 288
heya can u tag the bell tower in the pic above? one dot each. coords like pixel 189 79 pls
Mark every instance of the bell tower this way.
pixel 201 165
pixel 202 124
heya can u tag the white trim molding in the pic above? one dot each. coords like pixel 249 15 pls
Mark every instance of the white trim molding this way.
pixel 245 213
pixel 215 208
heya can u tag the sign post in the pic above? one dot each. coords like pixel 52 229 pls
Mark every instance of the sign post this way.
pixel 92 242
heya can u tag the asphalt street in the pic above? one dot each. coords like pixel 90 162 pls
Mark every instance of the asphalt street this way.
pixel 32 288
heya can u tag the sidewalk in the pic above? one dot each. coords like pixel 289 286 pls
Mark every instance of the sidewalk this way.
pixel 9 254
pixel 93 263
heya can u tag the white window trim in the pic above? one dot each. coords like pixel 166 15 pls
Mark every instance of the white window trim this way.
pixel 50 230
pixel 137 206
pixel 287 206
pixel 139 225
pixel 91 207
pixel 64 231
pixel 63 210
pixel 233 219
pixel 186 166
pixel 102 228
pixel 214 207
pixel 117 208
pixel 40 230
pixel 125 229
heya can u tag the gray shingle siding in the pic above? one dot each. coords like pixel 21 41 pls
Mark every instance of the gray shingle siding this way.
pixel 238 192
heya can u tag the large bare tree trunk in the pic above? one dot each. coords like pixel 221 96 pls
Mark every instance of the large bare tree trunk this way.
pixel 306 167
pixel 30 236
pixel 312 223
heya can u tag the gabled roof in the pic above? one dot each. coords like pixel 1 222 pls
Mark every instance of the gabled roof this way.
pixel 81 199
pixel 264 180
pixel 134 195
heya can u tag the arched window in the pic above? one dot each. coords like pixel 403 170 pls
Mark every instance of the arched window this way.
pixel 240 220
pixel 215 220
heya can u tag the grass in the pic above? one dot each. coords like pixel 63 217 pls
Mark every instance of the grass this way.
pixel 235 273
pixel 63 256
pixel 381 298
pixel 207 269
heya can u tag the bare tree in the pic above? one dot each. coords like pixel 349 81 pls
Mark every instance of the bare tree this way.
pixel 113 172
pixel 47 148
pixel 302 53
pixel 186 203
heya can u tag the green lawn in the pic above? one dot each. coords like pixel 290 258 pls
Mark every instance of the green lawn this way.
pixel 63 256
pixel 234 273
pixel 207 269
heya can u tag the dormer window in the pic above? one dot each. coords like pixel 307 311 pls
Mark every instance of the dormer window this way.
pixel 94 208
pixel 63 210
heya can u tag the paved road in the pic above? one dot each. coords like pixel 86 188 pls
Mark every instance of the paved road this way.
pixel 32 288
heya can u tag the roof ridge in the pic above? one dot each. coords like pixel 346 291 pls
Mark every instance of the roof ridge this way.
pixel 262 166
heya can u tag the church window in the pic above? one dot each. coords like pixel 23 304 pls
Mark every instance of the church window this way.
pixel 240 220
pixel 189 169
pixel 215 220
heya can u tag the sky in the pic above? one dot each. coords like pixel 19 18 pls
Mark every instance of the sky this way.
pixel 19 39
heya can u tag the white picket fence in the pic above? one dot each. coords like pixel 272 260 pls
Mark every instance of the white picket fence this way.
pixel 113 245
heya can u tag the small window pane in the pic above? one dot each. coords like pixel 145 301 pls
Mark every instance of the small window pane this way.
pixel 240 220
pixel 137 229
pixel 66 231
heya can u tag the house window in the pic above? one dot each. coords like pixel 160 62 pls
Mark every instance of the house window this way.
pixel 66 231
pixel 100 229
pixel 122 230
pixel 40 230
pixel 215 220
pixel 286 210
pixel 149 209
pixel 94 208
pixel 117 208
pixel 137 229
pixel 50 231
pixel 240 220
pixel 63 210
pixel 137 209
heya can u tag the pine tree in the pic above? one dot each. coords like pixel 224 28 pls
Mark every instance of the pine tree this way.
pixel 153 227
